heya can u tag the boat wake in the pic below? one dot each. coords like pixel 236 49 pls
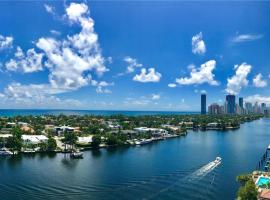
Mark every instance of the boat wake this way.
pixel 192 180
pixel 204 170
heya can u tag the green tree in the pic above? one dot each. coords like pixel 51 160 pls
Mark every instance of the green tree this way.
pixel 242 179
pixel 51 144
pixel 248 191
pixel 15 142
pixel 70 138
pixel 111 140
pixel 43 146
pixel 96 141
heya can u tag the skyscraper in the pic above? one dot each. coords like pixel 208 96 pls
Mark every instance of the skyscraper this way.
pixel 230 98
pixel 241 102
pixel 203 104
pixel 214 109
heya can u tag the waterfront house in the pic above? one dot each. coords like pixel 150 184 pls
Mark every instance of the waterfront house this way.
pixel 85 140
pixel 33 139
pixel 213 126
pixel 155 132
pixel 60 130
pixel 188 125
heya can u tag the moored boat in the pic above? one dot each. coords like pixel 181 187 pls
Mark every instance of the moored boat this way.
pixel 76 154
pixel 5 152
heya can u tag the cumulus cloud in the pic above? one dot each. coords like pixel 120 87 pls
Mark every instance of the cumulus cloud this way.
pixel 246 38
pixel 239 80
pixel 150 76
pixel 70 61
pixel 258 98
pixel 28 62
pixel 50 9
pixel 258 81
pixel 34 96
pixel 172 85
pixel 101 86
pixel 198 45
pixel 5 42
pixel 155 96
pixel 204 74
pixel 132 64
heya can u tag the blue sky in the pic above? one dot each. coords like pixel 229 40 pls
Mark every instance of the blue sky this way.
pixel 135 55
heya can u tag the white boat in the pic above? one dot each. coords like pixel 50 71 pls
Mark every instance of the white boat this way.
pixel 76 154
pixel 268 148
pixel 213 164
pixel 5 152
pixel 143 141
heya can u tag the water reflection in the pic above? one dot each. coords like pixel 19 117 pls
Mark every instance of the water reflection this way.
pixel 117 150
pixel 68 162
pixel 96 153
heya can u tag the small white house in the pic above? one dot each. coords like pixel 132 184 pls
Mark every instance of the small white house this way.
pixel 85 140
pixel 34 139
pixel 154 131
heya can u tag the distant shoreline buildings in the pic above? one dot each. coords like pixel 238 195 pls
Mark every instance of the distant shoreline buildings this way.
pixel 231 107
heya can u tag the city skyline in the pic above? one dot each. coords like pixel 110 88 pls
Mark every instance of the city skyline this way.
pixel 85 56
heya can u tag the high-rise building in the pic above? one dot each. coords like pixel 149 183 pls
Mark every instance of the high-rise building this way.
pixel 203 104
pixel 214 109
pixel 230 98
pixel 256 108
pixel 241 102
pixel 263 108
pixel 248 107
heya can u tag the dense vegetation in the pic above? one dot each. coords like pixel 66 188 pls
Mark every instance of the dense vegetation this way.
pixel 248 190
pixel 110 130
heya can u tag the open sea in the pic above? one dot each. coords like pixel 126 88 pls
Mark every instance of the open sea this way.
pixel 36 112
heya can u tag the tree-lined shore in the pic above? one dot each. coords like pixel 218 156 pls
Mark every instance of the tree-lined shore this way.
pixel 106 130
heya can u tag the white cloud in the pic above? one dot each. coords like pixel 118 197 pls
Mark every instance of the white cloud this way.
pixel 239 80
pixel 246 38
pixel 101 86
pixel 144 77
pixel 172 85
pixel 27 63
pixel 204 74
pixel 55 32
pixel 198 45
pixel 110 60
pixel 155 97
pixel 50 9
pixel 5 42
pixel 258 98
pixel 203 92
pixel 70 61
pixel 76 11
pixel 33 96
pixel 258 81
pixel 137 102
pixel 132 64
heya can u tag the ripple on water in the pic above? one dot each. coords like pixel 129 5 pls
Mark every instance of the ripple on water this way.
pixel 165 186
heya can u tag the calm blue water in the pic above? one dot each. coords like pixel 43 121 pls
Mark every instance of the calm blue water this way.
pixel 14 112
pixel 170 169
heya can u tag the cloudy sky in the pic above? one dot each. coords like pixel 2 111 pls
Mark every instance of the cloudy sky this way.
pixel 132 55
